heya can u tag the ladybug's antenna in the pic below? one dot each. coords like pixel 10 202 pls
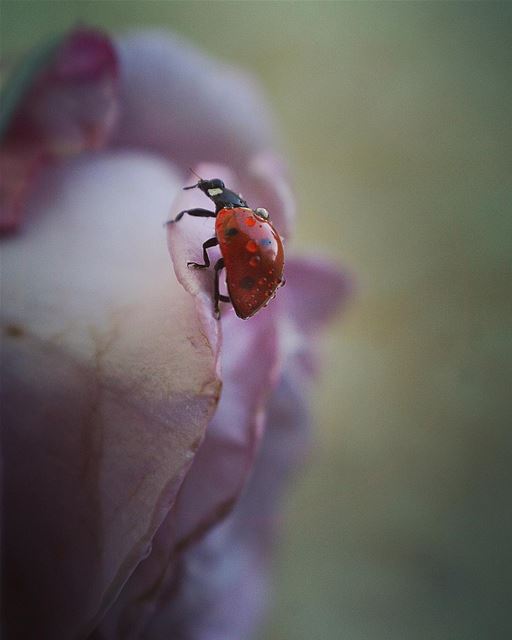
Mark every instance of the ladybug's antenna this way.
pixel 196 174
pixel 194 185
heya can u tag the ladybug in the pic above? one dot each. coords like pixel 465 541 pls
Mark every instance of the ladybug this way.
pixel 252 250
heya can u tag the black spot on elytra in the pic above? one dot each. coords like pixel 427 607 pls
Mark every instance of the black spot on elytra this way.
pixel 247 283
pixel 229 233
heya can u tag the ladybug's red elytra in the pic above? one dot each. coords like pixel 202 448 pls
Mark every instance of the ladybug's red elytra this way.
pixel 252 250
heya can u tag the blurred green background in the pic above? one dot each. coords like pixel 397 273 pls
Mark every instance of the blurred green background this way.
pixel 396 120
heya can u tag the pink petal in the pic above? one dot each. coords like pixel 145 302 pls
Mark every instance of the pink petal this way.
pixel 250 365
pixel 220 588
pixel 110 378
pixel 316 289
pixel 220 591
pixel 71 106
pixel 180 102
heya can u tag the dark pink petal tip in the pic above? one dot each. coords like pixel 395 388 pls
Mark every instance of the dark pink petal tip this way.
pixel 84 56
pixel 72 100
pixel 69 105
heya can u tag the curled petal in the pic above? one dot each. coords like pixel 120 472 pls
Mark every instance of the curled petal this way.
pixel 109 380
pixel 180 102
pixel 185 238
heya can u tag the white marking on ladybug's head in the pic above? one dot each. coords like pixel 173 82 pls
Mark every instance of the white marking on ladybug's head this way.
pixel 214 192
pixel 262 213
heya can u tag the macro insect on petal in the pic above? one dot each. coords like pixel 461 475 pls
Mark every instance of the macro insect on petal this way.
pixel 252 250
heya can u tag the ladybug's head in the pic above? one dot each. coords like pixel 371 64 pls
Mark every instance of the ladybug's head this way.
pixel 216 191
pixel 211 188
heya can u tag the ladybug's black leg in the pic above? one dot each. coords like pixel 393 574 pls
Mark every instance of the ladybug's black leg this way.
pixel 212 242
pixel 200 213
pixel 218 297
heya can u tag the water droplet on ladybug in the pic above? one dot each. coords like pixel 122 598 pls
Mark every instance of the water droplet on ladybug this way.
pixel 251 246
pixel 261 213
pixel 254 261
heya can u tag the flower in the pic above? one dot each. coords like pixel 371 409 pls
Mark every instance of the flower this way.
pixel 144 443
